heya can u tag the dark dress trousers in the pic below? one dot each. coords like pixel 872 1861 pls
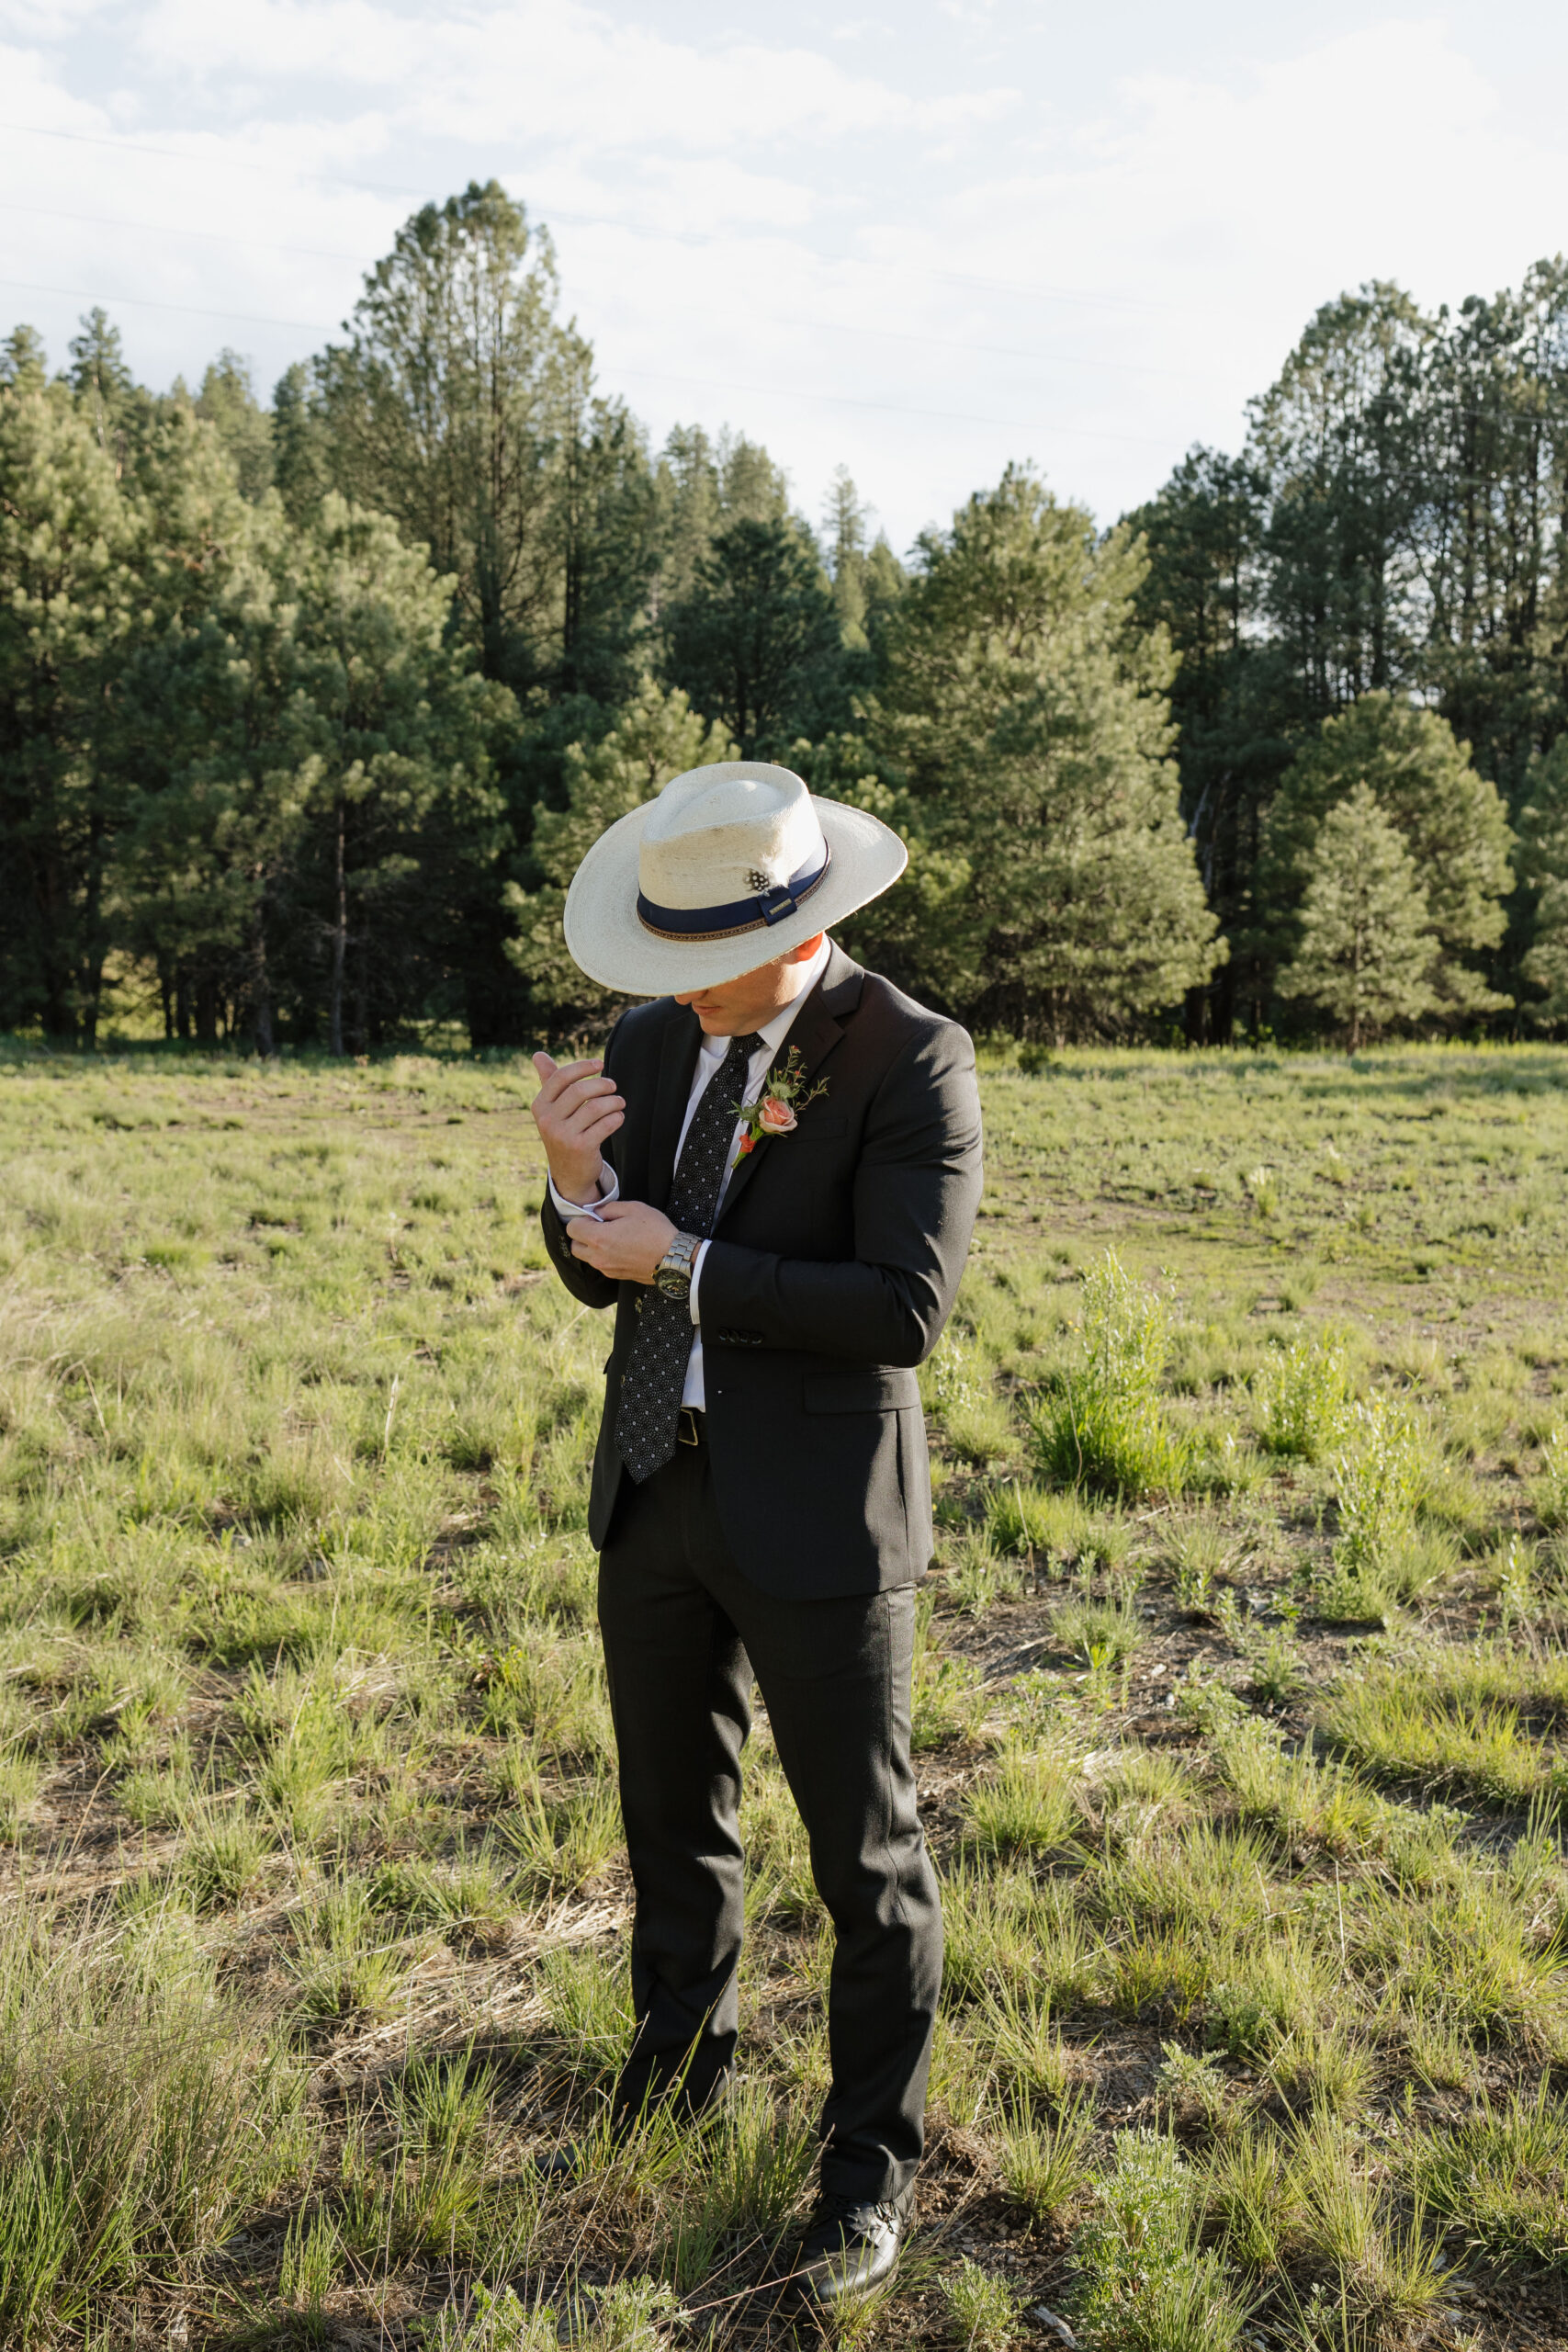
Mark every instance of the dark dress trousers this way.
pixel 787 1546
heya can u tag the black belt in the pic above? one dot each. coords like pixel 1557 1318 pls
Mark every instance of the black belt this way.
pixel 690 1427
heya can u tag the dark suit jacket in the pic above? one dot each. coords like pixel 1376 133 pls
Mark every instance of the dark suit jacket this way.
pixel 833 1267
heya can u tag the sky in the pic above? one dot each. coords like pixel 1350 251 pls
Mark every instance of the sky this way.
pixel 920 241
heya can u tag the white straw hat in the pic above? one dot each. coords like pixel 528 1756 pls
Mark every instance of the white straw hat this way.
pixel 730 866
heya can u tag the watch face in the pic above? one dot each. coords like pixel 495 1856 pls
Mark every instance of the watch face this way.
pixel 674 1282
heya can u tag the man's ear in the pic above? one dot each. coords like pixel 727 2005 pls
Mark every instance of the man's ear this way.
pixel 805 952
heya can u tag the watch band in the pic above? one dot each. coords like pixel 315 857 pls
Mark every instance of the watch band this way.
pixel 673 1274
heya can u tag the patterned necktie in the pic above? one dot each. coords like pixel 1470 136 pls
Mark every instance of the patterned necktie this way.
pixel 662 1348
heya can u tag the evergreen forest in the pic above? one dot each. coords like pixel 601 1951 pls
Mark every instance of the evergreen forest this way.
pixel 309 703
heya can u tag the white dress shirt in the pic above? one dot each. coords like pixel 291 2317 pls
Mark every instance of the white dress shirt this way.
pixel 710 1059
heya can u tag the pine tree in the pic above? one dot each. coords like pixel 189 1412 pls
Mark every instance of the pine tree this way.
pixel 1449 818
pixel 1337 440
pixel 71 542
pixel 604 521
pixel 98 374
pixel 1366 946
pixel 445 408
pixel 1543 872
pixel 330 778
pixel 228 401
pixel 1232 699
pixel 700 487
pixel 656 736
pixel 302 452
pixel 757 645
pixel 23 360
pixel 1023 728
pixel 844 549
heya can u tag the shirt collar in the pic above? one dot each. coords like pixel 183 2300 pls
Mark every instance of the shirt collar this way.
pixel 774 1033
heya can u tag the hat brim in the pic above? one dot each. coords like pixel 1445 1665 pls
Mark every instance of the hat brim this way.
pixel 604 936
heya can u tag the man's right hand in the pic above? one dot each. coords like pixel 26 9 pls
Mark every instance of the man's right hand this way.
pixel 575 1110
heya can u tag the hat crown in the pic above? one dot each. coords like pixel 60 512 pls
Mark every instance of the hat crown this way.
pixel 725 833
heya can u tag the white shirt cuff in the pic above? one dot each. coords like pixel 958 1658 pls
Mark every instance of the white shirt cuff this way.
pixel 566 1209
pixel 696 1277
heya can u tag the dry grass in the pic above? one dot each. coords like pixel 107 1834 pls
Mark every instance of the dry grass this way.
pixel 1242 1757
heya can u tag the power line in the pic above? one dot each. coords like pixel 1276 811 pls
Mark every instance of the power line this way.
pixel 147 302
pixel 836 326
pixel 785 391
pixel 172 229
pixel 892 408
pixel 606 220
pixel 1005 424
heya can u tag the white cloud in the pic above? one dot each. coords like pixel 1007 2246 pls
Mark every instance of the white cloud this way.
pixel 866 265
pixel 568 73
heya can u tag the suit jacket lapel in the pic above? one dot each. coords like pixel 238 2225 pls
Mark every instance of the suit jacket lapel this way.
pixel 814 1030
pixel 677 1060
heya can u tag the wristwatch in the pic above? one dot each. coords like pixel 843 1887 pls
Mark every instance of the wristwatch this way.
pixel 672 1276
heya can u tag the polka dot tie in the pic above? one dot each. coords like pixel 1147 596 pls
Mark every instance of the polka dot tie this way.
pixel 656 1368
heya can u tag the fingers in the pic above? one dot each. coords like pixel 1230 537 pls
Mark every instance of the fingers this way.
pixel 580 1102
pixel 604 1122
pixel 557 1078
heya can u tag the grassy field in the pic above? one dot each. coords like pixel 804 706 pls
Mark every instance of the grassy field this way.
pixel 1240 1715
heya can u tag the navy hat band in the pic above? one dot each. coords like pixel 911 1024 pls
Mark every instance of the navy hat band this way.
pixel 741 915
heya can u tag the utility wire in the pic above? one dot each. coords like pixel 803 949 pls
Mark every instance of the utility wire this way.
pixel 892 408
pixel 785 391
pixel 147 302
pixel 598 220
pixel 836 326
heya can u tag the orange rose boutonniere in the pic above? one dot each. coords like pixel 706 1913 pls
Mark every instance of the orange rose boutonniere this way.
pixel 775 1111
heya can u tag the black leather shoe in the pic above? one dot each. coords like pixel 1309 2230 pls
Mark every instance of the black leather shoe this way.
pixel 848 2249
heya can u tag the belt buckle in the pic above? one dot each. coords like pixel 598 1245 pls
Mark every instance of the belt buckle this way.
pixel 686 1429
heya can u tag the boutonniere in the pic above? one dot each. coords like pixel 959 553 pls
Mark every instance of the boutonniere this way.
pixel 777 1108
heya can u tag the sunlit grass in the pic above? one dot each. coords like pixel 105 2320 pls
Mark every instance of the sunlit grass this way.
pixel 1240 1750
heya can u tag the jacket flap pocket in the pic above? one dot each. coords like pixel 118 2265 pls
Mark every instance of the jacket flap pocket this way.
pixel 859 1392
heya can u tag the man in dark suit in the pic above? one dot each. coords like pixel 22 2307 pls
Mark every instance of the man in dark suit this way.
pixel 773 1177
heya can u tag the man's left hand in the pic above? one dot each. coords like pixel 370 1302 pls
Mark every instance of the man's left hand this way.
pixel 626 1241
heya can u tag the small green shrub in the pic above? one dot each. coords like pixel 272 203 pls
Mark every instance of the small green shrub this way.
pixel 984 2315
pixel 1191 2087
pixel 1504 2176
pixel 1302 1399
pixel 1103 1632
pixel 1029 1805
pixel 1107 1429
pixel 497 2323
pixel 1379 1477
pixel 1044 2166
pixel 1549 1489
pixel 1053 1525
pixel 1149 2287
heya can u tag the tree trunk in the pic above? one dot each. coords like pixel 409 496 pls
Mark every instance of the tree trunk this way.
pixel 92 981
pixel 339 941
pixel 261 987
pixel 362 986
